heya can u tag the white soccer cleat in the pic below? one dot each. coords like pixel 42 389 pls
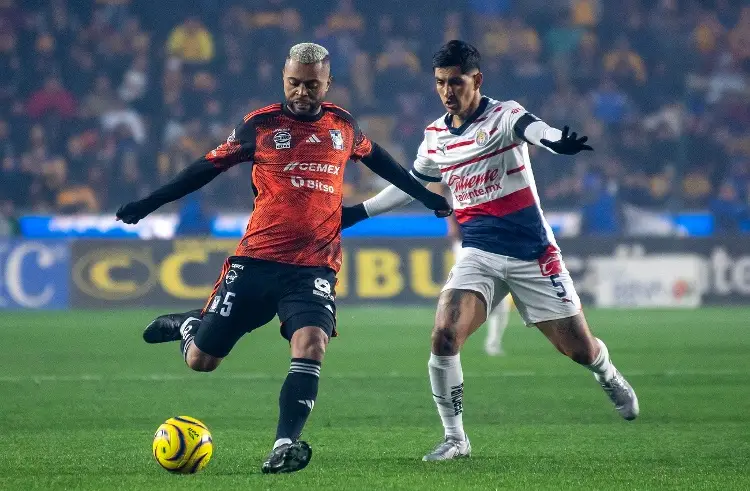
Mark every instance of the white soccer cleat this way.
pixel 449 449
pixel 493 350
pixel 621 394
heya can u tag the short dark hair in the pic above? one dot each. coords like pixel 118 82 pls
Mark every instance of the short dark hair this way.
pixel 457 53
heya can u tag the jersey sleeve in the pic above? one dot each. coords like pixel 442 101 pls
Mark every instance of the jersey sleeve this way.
pixel 512 113
pixel 424 167
pixel 239 147
pixel 362 145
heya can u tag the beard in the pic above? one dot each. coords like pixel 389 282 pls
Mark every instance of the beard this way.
pixel 303 108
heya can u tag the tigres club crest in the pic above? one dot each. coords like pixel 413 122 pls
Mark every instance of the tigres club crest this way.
pixel 337 139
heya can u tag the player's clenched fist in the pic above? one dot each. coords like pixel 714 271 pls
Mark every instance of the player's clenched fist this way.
pixel 133 212
pixel 436 203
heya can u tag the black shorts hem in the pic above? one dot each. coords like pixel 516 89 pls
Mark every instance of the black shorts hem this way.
pixel 314 318
pixel 214 349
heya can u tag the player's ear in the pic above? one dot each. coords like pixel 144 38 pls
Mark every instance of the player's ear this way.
pixel 330 81
pixel 478 79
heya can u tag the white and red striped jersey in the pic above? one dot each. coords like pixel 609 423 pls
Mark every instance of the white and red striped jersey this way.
pixel 486 165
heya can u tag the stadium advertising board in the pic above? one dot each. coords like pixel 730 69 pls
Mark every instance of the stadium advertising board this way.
pixel 157 273
pixel 155 226
pixel 34 274
pixel 108 273
pixel 233 225
pixel 660 272
pixel 613 273
pixel 659 280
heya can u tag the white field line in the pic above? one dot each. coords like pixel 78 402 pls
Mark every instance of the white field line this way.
pixel 168 377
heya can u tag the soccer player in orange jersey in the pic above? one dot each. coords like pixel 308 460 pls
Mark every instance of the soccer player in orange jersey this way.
pixel 287 261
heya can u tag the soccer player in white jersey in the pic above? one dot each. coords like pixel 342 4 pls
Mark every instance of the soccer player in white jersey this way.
pixel 479 148
pixel 498 319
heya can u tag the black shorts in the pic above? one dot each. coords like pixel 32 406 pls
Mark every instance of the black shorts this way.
pixel 250 292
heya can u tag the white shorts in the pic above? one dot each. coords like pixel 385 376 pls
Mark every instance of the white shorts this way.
pixel 542 290
pixel 503 304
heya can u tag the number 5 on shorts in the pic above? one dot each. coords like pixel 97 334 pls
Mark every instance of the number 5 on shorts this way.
pixel 558 284
pixel 227 308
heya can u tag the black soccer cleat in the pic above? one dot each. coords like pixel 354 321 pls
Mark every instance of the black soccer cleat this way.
pixel 167 327
pixel 289 457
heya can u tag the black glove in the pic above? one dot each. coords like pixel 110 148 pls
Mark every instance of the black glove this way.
pixel 353 214
pixel 135 211
pixel 568 145
pixel 437 203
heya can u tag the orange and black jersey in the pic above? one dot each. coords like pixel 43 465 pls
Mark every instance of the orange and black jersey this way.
pixel 297 176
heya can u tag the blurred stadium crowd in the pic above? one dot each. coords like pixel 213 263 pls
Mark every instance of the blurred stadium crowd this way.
pixel 102 100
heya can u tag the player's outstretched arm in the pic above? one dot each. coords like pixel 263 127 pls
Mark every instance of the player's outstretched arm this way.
pixel 392 197
pixel 386 200
pixel 381 163
pixel 239 147
pixel 188 180
pixel 537 132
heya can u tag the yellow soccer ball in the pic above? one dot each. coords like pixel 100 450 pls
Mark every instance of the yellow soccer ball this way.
pixel 183 445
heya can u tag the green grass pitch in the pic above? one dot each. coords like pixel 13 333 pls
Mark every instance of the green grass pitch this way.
pixel 81 396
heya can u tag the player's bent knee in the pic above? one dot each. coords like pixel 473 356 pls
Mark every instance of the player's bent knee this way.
pixel 200 361
pixel 459 314
pixel 444 340
pixel 203 364
pixel 309 342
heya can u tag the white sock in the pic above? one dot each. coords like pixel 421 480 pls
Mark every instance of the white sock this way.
pixel 280 442
pixel 188 329
pixel 602 365
pixel 447 380
pixel 497 321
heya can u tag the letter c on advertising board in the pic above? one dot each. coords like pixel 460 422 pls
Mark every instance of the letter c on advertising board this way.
pixel 172 279
pixel 116 273
pixel 45 258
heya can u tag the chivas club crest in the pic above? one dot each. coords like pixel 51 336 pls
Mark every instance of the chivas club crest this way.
pixel 482 137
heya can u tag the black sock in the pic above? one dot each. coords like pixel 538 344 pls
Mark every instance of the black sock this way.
pixel 297 397
pixel 189 334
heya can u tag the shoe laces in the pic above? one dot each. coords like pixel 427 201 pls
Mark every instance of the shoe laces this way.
pixel 618 382
pixel 447 444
